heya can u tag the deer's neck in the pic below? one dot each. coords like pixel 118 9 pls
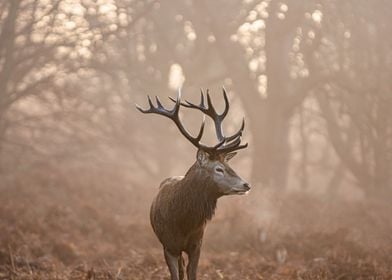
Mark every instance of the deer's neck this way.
pixel 199 196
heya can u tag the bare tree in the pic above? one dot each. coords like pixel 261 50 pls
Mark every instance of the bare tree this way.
pixel 356 98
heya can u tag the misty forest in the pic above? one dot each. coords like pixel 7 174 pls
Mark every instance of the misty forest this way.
pixel 80 165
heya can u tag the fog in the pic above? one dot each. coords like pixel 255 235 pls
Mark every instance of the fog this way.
pixel 80 165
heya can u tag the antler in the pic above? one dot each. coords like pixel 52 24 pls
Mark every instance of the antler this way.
pixel 225 144
pixel 232 142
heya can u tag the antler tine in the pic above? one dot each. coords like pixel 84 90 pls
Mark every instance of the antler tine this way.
pixel 238 133
pixel 146 111
pixel 139 108
pixel 201 98
pixel 210 110
pixel 200 135
pixel 149 101
pixel 159 104
pixel 232 149
pixel 233 142
pixel 227 105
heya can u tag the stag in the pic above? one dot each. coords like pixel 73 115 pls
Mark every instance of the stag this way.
pixel 184 204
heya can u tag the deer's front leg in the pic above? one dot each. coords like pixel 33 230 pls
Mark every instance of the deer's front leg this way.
pixel 194 256
pixel 181 266
pixel 172 263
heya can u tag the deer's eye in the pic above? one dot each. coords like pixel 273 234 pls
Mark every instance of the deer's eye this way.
pixel 219 170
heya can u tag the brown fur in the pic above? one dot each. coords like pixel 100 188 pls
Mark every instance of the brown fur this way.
pixel 182 208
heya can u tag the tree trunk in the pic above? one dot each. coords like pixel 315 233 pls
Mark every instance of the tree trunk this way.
pixel 269 117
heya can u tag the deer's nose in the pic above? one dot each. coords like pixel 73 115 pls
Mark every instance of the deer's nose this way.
pixel 246 186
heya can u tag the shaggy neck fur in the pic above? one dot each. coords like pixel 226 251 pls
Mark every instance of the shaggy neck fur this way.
pixel 198 197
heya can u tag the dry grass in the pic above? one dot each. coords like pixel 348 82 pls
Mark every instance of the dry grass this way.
pixel 66 231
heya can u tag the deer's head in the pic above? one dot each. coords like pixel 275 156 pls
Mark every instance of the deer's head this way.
pixel 217 169
pixel 212 160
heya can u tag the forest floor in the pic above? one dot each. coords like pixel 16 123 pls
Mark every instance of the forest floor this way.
pixel 45 233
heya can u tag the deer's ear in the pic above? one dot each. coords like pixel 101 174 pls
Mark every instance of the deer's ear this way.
pixel 229 156
pixel 202 157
